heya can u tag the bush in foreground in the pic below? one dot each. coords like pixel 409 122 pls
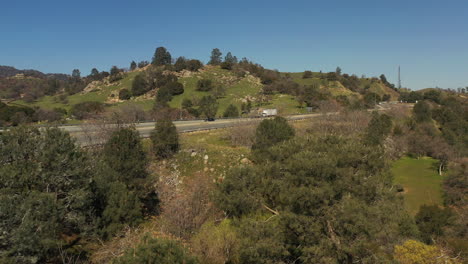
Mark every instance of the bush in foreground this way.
pixel 156 250
pixel 165 139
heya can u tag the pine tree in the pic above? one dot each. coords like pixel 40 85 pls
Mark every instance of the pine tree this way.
pixel 165 139
pixel 162 57
pixel 133 65
pixel 76 74
pixel 215 58
pixel 94 72
pixel 338 71
pixel 180 64
pixel 125 155
pixel 229 58
pixel 45 181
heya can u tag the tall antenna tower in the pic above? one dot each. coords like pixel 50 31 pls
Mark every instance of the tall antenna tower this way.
pixel 399 78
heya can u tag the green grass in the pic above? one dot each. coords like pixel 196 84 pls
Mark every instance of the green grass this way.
pixel 286 105
pixel 215 144
pixel 420 180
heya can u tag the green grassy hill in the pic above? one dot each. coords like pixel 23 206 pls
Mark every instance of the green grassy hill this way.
pixel 237 90
pixel 336 88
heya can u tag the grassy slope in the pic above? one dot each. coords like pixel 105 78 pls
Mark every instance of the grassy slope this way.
pixel 420 180
pixel 50 102
pixel 334 88
pixel 337 89
pixel 236 90
pixel 214 144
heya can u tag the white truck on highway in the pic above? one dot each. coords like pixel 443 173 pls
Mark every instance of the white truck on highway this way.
pixel 269 112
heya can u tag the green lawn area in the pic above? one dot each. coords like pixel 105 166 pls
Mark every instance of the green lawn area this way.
pixel 421 182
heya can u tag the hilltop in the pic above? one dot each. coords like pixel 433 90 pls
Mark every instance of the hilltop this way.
pixel 8 71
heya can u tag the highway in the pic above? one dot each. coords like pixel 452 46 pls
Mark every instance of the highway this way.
pixel 89 134
pixel 92 134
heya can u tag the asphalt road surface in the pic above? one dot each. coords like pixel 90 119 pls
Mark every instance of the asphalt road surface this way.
pixel 89 134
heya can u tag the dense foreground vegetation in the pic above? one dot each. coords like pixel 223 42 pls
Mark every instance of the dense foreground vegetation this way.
pixel 319 192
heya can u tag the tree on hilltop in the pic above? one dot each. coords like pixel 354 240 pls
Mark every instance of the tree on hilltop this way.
pixel 76 74
pixel 215 58
pixel 162 57
pixel 133 65
pixel 230 59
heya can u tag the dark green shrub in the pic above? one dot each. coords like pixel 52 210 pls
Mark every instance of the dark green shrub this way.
pixel 124 94
pixel 174 88
pixel 165 139
pixel 307 74
pixel 272 131
pixel 431 221
pixel 378 129
pixel 87 109
pixel 422 112
pixel 231 111
pixel 139 85
pixel 204 85
pixel 208 106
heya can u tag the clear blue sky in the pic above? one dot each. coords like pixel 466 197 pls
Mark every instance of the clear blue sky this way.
pixel 429 39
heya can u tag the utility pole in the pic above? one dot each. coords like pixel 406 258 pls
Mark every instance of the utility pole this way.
pixel 399 78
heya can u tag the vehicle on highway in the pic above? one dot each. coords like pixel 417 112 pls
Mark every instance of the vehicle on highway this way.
pixel 269 112
pixel 209 119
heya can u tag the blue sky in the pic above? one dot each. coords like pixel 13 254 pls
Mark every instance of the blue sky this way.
pixel 429 39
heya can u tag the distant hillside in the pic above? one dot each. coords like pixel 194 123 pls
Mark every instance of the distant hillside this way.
pixel 8 71
pixel 340 88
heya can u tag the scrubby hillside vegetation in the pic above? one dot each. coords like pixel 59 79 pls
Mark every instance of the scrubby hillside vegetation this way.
pixel 186 88
pixel 388 185
pixel 271 191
